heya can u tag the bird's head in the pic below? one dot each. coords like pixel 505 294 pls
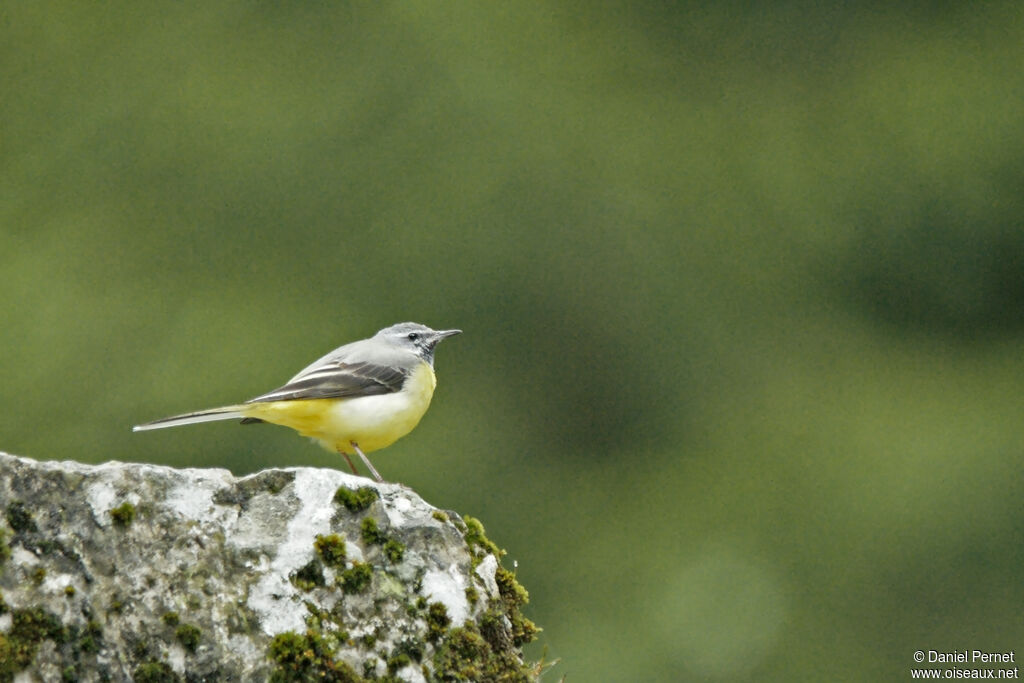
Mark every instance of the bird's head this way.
pixel 414 337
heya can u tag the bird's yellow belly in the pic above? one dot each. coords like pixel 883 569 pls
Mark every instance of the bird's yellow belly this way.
pixel 372 422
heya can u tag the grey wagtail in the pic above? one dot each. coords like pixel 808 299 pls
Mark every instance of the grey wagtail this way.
pixel 358 398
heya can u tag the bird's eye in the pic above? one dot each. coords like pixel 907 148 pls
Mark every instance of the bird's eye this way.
pixel 413 336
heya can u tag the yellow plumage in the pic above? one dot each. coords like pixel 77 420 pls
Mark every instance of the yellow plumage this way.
pixel 373 422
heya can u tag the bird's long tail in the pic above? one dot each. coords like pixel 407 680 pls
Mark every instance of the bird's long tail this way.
pixel 223 413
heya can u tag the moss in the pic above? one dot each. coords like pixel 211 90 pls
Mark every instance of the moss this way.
pixel 29 628
pixel 319 618
pixel 394 551
pixel 139 646
pixel 69 591
pixel 398 661
pixel 411 647
pixel 43 546
pixel 69 675
pixel 357 578
pixel 372 535
pixel 513 597
pixel 171 618
pixel 438 621
pixel 36 624
pixel 331 550
pixel 5 550
pixel 38 575
pixel 155 671
pixel 358 500
pixel 8 665
pixel 462 656
pixel 440 516
pixel 476 539
pixel 307 657
pixel 90 638
pixel 487 649
pixel 370 669
pixel 123 515
pixel 309 576
pixel 3 605
pixel 465 655
pixel 494 628
pixel 188 635
pixel 20 518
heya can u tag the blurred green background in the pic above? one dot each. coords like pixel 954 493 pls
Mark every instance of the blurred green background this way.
pixel 742 287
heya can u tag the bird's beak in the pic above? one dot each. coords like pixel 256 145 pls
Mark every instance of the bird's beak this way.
pixel 442 334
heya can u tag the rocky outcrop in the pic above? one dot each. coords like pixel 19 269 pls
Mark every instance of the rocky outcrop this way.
pixel 123 571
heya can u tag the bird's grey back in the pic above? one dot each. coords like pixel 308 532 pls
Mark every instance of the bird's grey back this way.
pixel 373 351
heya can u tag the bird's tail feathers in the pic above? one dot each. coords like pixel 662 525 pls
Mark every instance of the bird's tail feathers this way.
pixel 223 413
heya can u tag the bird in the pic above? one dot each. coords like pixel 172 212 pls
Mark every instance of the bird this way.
pixel 358 398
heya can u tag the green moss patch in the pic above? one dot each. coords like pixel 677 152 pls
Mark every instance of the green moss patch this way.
pixel 155 671
pixel 309 576
pixel 394 551
pixel 466 655
pixel 29 628
pixel 358 500
pixel 397 662
pixel 357 578
pixel 307 657
pixel 372 535
pixel 20 518
pixel 90 637
pixel 513 597
pixel 479 544
pixel 487 649
pixel 371 532
pixel 331 549
pixel 438 621
pixel 188 635
pixel 123 515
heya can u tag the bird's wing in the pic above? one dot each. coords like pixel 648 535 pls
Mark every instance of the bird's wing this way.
pixel 338 379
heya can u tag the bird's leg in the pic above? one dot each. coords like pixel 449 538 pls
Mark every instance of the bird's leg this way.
pixel 366 461
pixel 349 461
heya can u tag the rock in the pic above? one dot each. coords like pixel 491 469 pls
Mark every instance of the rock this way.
pixel 122 571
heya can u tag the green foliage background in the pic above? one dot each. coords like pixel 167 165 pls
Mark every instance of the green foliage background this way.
pixel 742 287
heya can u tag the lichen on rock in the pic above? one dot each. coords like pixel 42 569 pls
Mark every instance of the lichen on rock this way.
pixel 136 572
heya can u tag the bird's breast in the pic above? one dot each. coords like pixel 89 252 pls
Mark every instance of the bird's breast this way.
pixel 374 422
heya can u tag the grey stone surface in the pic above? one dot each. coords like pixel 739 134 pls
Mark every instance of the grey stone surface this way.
pixel 195 577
